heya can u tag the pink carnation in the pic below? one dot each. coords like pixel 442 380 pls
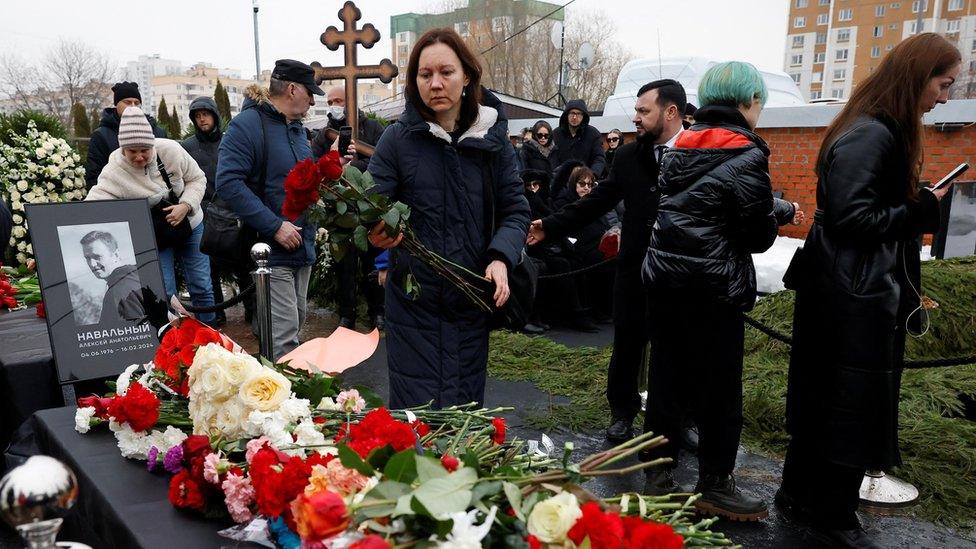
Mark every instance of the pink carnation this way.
pixel 344 480
pixel 238 495
pixel 210 472
pixel 256 444
pixel 350 401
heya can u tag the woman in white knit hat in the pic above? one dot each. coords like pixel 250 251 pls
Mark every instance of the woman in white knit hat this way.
pixel 133 171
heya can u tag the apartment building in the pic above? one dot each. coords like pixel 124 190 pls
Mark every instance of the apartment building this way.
pixel 831 45
pixel 181 89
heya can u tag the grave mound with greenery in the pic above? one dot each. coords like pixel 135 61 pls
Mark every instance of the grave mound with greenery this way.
pixel 938 405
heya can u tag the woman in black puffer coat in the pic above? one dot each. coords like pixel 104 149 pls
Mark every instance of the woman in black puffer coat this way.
pixel 534 155
pixel 858 285
pixel 715 211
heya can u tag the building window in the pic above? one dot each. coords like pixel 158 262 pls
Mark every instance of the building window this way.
pixel 913 28
pixel 817 77
pixel 796 59
pixel 840 74
pixel 974 45
pixel 837 94
pixel 952 26
pixel 821 38
pixel 920 5
pixel 879 10
pixel 875 52
pixel 879 31
pixel 816 95
pixel 841 55
pixel 845 14
pixel 824 2
pixel 799 22
pixel 822 19
pixel 796 77
pixel 462 28
pixel 893 26
pixel 844 35
pixel 820 57
pixel 798 41
pixel 499 24
pixel 800 4
pixel 401 37
pixel 955 5
pixel 896 5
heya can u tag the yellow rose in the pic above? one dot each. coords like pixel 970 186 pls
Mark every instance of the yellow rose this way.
pixel 265 390
pixel 552 518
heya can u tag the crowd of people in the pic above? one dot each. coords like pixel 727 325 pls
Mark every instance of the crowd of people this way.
pixel 686 203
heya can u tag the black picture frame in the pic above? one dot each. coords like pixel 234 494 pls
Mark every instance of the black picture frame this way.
pixel 102 285
pixel 957 236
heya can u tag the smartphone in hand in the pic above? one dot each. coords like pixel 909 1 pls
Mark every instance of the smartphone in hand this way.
pixel 951 176
pixel 345 138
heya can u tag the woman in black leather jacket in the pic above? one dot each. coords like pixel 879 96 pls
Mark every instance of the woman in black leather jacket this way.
pixel 858 289
pixel 715 211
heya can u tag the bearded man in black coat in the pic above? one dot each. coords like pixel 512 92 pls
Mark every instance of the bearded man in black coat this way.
pixel 633 179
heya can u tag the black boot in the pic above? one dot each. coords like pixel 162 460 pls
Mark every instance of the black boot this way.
pixel 532 329
pixel 620 429
pixel 689 439
pixel 721 497
pixel 660 482
pixel 379 322
pixel 855 538
pixel 347 322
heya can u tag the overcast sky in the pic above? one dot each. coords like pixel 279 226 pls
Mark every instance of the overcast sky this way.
pixel 221 31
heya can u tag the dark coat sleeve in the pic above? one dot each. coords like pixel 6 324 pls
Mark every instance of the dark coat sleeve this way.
pixel 754 224
pixel 783 210
pixel 320 143
pixel 603 198
pixel 237 159
pixel 598 157
pixel 97 157
pixel 511 209
pixel 854 209
pixel 383 164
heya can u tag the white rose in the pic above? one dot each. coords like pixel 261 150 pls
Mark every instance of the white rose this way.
pixel 49 145
pixel 83 419
pixel 16 205
pixel 21 258
pixel 75 157
pixel 40 152
pixel 79 182
pixel 552 518
pixel 18 232
pixel 21 185
pixel 14 195
pixel 22 246
pixel 228 418
pixel 50 186
pixel 29 197
pixel 18 219
pixel 30 249
pixel 57 159
pixel 265 390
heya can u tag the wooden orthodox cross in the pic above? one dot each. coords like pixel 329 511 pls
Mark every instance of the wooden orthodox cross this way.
pixel 351 72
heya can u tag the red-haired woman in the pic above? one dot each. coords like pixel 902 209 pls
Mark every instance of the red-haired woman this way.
pixel 449 146
pixel 857 288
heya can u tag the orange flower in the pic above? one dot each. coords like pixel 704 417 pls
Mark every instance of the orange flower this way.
pixel 320 515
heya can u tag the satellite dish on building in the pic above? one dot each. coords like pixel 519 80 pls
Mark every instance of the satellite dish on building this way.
pixel 556 36
pixel 585 55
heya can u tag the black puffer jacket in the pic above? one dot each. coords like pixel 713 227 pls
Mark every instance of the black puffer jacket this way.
pixel 535 158
pixel 716 209
pixel 203 146
pixel 586 146
pixel 104 140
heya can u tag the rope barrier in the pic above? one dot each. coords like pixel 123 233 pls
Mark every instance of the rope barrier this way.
pixel 579 271
pixel 221 306
pixel 908 364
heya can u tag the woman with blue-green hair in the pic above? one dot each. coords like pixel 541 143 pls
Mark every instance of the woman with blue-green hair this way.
pixel 716 210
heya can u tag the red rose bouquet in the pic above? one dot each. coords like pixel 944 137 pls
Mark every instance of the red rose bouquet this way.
pixel 342 201
pixel 178 347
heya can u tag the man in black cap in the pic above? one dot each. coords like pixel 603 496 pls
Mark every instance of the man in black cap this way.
pixel 259 148
pixel 105 139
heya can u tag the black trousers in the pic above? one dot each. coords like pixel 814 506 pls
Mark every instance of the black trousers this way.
pixel 696 371
pixel 828 493
pixel 629 343
pixel 353 270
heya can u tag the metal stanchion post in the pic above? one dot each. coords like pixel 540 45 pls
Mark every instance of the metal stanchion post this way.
pixel 642 376
pixel 260 253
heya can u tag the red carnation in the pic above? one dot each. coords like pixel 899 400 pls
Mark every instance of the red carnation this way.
pixel 376 430
pixel 641 533
pixel 421 428
pixel 330 166
pixel 605 530
pixel 185 493
pixel 499 435
pixel 275 487
pixel 534 542
pixel 197 446
pixel 371 541
pixel 450 462
pixel 301 188
pixel 138 407
pixel 41 313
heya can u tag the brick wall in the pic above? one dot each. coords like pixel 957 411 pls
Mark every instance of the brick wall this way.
pixel 793 154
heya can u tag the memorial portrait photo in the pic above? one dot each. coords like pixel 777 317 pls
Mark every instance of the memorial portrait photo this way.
pixel 101 270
